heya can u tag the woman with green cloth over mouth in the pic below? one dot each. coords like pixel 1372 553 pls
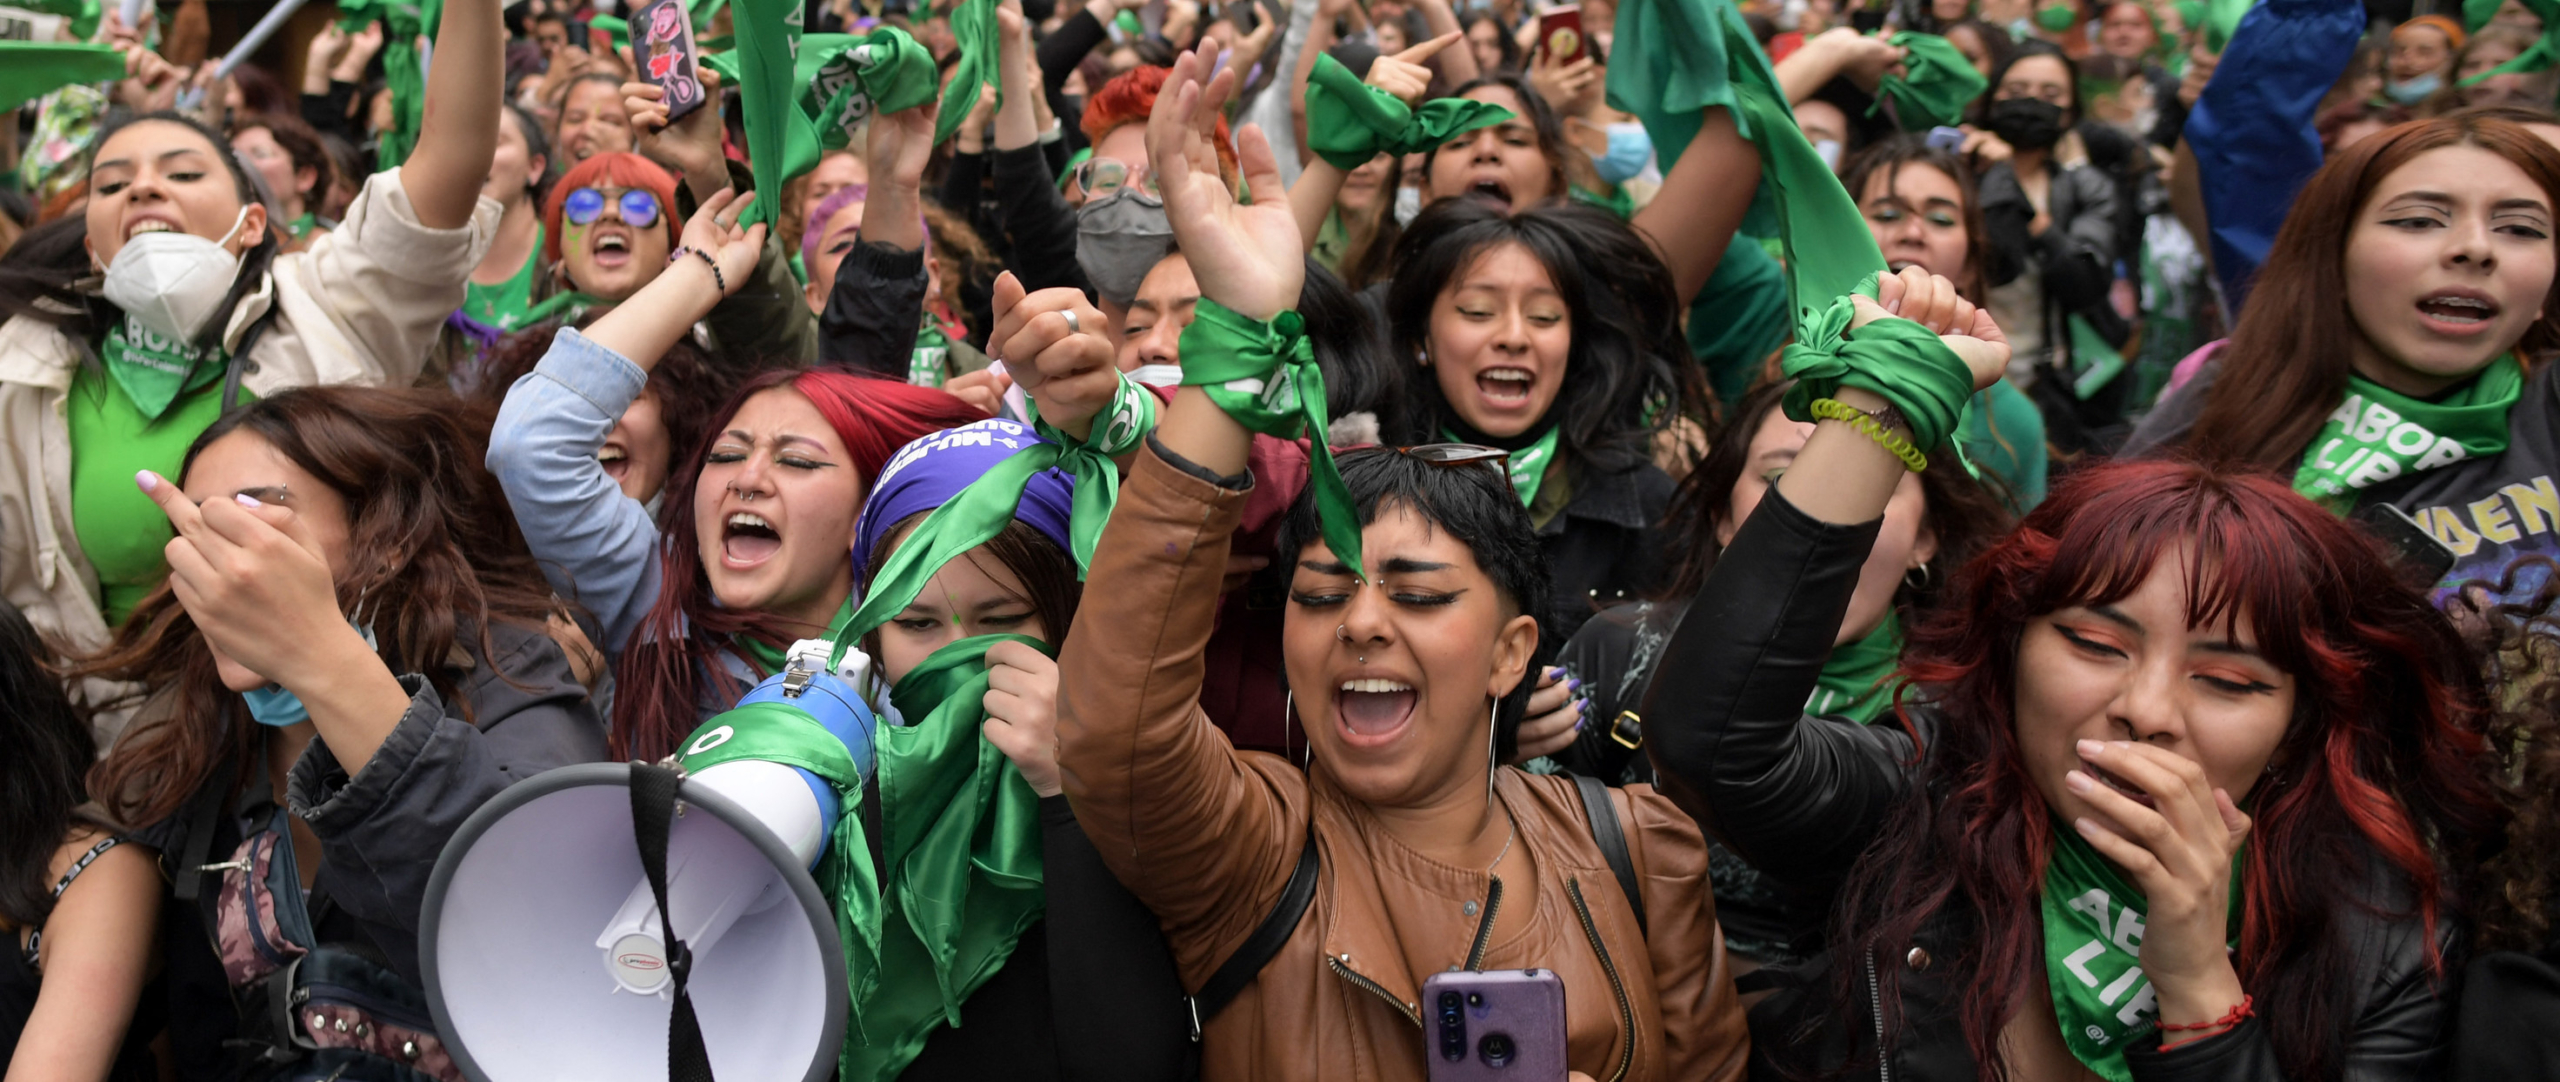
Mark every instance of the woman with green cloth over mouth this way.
pixel 102 377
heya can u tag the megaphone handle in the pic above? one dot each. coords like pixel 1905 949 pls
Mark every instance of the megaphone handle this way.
pixel 653 811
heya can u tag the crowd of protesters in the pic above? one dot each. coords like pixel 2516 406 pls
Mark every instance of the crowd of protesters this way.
pixel 1942 539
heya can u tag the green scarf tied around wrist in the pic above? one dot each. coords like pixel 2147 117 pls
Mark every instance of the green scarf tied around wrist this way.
pixel 980 511
pixel 31 70
pixel 2093 929
pixel 962 873
pixel 1350 122
pixel 1677 58
pixel 1936 85
pixel 1265 376
pixel 883 72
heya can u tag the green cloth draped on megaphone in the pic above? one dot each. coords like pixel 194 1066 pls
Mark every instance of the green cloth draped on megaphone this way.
pixel 1936 84
pixel 31 70
pixel 961 873
pixel 1350 122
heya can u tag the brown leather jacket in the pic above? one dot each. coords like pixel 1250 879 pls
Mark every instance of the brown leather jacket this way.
pixel 1207 836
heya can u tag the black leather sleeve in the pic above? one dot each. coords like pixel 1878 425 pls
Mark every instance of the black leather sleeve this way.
pixel 1798 797
pixel 871 317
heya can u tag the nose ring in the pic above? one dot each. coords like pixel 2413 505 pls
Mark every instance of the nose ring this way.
pixel 1342 634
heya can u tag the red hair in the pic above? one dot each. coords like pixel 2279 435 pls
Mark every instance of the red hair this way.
pixel 2382 766
pixel 614 170
pixel 1129 97
pixel 671 669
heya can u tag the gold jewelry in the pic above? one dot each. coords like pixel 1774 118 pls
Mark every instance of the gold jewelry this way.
pixel 1832 409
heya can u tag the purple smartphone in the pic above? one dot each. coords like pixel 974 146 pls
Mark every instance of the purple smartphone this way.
pixel 1498 1024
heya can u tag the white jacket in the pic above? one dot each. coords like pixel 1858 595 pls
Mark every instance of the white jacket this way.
pixel 360 306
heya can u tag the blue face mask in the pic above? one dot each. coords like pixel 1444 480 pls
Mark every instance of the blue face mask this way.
pixel 2415 90
pixel 273 705
pixel 1629 149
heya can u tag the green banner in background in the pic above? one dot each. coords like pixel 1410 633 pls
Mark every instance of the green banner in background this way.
pixel 31 70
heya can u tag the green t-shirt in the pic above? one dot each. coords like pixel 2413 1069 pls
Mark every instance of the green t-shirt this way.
pixel 120 530
pixel 503 305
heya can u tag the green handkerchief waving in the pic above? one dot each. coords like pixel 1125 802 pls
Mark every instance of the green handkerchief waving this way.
pixel 1936 84
pixel 31 70
pixel 883 72
pixel 1350 122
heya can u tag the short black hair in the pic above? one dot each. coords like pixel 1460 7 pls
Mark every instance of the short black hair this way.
pixel 1475 504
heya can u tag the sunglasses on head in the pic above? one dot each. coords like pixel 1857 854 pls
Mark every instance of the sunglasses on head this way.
pixel 637 208
pixel 1103 176
pixel 1462 454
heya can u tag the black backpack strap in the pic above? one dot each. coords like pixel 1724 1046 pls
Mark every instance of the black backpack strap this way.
pixel 1246 963
pixel 653 809
pixel 204 812
pixel 1606 830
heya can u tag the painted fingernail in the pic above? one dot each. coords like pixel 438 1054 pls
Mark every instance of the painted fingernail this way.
pixel 147 480
pixel 1576 682
pixel 1555 672
pixel 1894 306
pixel 2090 749
pixel 247 500
pixel 2077 782
pixel 2085 827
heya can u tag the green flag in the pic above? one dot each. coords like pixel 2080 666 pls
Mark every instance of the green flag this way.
pixel 973 24
pixel 1938 82
pixel 31 70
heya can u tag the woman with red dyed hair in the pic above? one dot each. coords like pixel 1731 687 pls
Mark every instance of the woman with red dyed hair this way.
pixel 2186 785
pixel 756 524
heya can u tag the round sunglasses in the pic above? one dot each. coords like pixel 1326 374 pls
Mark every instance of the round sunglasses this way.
pixel 637 208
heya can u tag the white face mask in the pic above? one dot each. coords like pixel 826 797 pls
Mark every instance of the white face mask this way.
pixel 1158 375
pixel 1829 151
pixel 171 282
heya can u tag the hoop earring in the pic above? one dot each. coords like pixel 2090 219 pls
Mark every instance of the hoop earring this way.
pixel 1490 764
pixel 1289 713
pixel 1927 578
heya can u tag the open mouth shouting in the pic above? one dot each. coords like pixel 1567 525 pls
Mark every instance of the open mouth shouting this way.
pixel 1505 387
pixel 611 246
pixel 747 540
pixel 1372 711
pixel 2457 311
pixel 616 460
pixel 1492 190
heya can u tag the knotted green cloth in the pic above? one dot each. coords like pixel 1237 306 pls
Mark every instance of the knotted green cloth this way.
pixel 961 872
pixel 1938 82
pixel 403 21
pixel 1350 122
pixel 980 511
pixel 1265 376
pixel 31 70
pixel 2093 929
pixel 973 25
pixel 2539 56
pixel 884 71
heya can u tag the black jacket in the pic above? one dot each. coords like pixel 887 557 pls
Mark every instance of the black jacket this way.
pixel 1605 548
pixel 871 317
pixel 1802 797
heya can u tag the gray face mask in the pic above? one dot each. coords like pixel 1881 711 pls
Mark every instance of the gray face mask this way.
pixel 1119 238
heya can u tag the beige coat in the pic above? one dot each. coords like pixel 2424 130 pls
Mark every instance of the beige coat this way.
pixel 360 306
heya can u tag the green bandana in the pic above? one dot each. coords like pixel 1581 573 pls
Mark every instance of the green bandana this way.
pixel 1350 122
pixel 1528 465
pixel 960 837
pixel 1853 684
pixel 973 25
pixel 1265 376
pixel 2378 433
pixel 301 227
pixel 403 22
pixel 154 370
pixel 883 72
pixel 768 658
pixel 781 142
pixel 1938 82
pixel 31 70
pixel 2093 953
pixel 83 14
pixel 981 510
pixel 556 304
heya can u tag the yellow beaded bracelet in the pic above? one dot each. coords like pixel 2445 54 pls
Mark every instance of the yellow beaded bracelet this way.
pixel 1832 409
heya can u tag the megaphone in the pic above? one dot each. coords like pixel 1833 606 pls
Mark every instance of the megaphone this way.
pixel 540 939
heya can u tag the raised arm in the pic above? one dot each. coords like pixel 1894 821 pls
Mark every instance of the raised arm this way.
pixel 666 309
pixel 2251 131
pixel 1702 201
pixel 1402 75
pixel 458 133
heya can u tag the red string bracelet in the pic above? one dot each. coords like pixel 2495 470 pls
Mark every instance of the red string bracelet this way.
pixel 2245 1011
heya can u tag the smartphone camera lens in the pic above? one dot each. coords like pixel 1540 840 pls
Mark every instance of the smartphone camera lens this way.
pixel 1497 1050
pixel 1453 1027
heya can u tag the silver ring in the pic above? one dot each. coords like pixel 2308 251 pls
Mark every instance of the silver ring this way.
pixel 1342 632
pixel 1074 326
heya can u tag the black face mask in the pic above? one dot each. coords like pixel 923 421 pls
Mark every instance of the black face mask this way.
pixel 2026 123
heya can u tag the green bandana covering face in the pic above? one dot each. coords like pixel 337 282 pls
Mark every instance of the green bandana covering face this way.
pixel 1853 683
pixel 1938 82
pixel 2378 434
pixel 1265 376
pixel 2093 931
pixel 1528 465
pixel 883 72
pixel 981 510
pixel 1350 122
pixel 31 70
pixel 960 836
pixel 151 369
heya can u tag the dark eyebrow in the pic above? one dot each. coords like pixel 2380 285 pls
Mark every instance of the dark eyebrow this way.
pixel 2438 198
pixel 2534 205
pixel 1405 566
pixel 1325 567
